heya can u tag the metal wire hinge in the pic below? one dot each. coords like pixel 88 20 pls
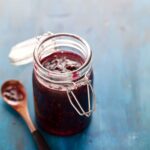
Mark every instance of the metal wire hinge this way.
pixel 91 108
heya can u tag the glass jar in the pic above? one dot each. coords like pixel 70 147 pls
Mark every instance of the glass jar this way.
pixel 63 100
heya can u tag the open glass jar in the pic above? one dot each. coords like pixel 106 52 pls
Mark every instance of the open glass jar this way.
pixel 62 84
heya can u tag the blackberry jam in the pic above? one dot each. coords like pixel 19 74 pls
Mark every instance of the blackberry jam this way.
pixel 62 62
pixel 62 77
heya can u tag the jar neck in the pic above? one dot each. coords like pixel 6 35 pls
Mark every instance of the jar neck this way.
pixel 62 42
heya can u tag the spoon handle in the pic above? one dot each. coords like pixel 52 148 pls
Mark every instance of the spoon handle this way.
pixel 40 141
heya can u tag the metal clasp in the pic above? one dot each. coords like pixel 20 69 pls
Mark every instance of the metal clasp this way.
pixel 43 36
pixel 81 111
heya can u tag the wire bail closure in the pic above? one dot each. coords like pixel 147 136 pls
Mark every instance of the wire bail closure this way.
pixel 38 38
pixel 91 108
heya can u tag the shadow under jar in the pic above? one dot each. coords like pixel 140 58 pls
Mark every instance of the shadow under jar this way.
pixel 62 84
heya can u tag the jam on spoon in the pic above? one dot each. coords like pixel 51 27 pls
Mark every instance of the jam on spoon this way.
pixel 12 93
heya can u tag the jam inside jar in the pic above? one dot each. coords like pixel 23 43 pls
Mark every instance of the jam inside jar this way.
pixel 62 84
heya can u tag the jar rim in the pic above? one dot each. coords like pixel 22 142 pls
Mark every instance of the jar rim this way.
pixel 86 62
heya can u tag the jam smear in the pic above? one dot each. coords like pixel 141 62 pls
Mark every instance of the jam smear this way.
pixel 54 113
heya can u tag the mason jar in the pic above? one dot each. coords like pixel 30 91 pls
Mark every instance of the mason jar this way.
pixel 63 84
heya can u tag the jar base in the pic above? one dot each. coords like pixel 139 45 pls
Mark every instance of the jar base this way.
pixel 64 133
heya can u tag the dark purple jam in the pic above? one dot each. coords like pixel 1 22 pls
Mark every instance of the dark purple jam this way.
pixel 62 62
pixel 12 92
pixel 54 113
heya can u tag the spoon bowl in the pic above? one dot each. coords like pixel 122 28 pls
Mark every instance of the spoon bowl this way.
pixel 10 96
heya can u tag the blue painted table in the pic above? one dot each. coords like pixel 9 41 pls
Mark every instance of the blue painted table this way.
pixel 119 34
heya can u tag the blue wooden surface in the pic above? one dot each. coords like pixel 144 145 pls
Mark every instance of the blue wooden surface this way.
pixel 119 34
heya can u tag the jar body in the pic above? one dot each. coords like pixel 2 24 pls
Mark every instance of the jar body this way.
pixel 57 112
pixel 54 112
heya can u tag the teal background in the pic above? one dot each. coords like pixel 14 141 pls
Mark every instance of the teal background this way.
pixel 118 32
